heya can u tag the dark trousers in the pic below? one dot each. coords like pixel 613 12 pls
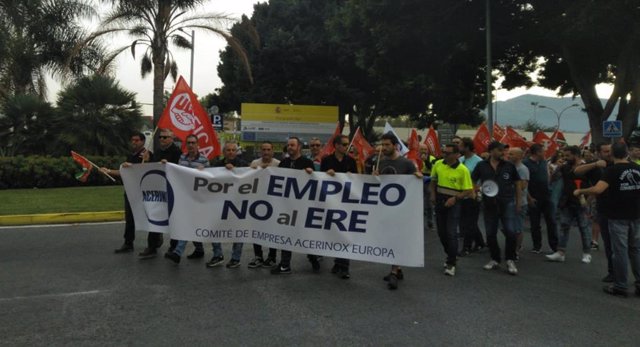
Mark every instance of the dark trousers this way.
pixel 606 240
pixel 469 213
pixel 129 224
pixel 342 263
pixel 496 211
pixel 543 207
pixel 257 251
pixel 447 219
pixel 285 258
pixel 154 240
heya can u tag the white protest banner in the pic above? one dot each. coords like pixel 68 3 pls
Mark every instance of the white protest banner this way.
pixel 361 217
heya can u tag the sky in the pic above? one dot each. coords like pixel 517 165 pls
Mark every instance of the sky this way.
pixel 206 59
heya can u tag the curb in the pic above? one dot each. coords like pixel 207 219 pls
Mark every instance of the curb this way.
pixel 61 218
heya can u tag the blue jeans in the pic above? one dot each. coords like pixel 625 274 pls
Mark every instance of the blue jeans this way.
pixel 236 250
pixel 181 245
pixel 520 217
pixel 578 214
pixel 496 211
pixel 447 220
pixel 625 244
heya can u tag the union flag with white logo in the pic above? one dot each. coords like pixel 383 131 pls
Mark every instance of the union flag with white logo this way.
pixel 185 116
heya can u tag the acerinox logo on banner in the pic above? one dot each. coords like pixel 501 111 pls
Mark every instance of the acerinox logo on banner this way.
pixel 181 112
pixel 157 203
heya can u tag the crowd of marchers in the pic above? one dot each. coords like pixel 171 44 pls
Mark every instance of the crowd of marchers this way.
pixel 595 189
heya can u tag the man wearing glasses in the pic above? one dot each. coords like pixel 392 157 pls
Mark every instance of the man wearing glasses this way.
pixel 167 152
pixel 450 183
pixel 315 146
pixel 339 161
pixel 195 160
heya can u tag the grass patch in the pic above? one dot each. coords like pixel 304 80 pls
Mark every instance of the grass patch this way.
pixel 60 200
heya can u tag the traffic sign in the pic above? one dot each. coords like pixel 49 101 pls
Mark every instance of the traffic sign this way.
pixel 612 128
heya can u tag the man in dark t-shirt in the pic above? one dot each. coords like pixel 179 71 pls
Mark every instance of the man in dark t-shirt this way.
pixel 339 161
pixel 622 181
pixel 295 161
pixel 392 163
pixel 497 173
pixel 136 157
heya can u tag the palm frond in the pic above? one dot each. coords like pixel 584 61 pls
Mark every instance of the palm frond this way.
pixel 146 66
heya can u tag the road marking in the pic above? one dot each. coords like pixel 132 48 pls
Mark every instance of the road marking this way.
pixel 55 225
pixel 59 295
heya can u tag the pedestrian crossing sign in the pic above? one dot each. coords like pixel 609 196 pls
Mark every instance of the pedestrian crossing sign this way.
pixel 612 128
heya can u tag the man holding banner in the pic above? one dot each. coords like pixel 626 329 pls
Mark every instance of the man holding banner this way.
pixel 339 161
pixel 394 164
pixel 137 152
pixel 295 161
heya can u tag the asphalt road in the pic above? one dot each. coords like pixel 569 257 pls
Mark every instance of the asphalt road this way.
pixel 64 286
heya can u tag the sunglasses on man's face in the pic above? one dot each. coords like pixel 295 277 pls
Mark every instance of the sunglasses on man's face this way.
pixel 191 142
pixel 345 144
pixel 315 145
pixel 165 137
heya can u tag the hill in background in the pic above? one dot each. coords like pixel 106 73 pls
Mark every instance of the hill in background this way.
pixel 518 110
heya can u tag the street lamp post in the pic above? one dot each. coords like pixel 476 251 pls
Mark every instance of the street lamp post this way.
pixel 535 107
pixel 558 114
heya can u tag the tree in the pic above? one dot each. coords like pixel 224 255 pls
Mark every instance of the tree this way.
pixel 37 37
pixel 24 123
pixel 96 116
pixel 156 24
pixel 581 43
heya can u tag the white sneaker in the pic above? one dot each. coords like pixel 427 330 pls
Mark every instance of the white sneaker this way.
pixel 450 270
pixel 586 258
pixel 557 256
pixel 491 265
pixel 511 267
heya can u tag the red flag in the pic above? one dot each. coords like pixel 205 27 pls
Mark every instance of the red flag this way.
pixel 329 148
pixel 86 166
pixel 550 146
pixel 513 139
pixel 432 142
pixel 414 149
pixel 184 116
pixel 498 132
pixel 584 141
pixel 558 136
pixel 362 146
pixel 482 139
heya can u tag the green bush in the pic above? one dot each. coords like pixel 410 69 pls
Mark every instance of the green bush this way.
pixel 50 172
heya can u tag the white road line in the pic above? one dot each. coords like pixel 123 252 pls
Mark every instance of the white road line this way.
pixel 56 225
pixel 59 295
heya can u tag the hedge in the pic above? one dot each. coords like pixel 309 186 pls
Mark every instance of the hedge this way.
pixel 50 172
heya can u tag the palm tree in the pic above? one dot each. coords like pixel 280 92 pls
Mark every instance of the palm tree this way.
pixel 38 37
pixel 24 123
pixel 155 24
pixel 96 116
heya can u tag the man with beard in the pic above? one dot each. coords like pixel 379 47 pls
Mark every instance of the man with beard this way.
pixel 572 208
pixel 502 205
pixel 394 164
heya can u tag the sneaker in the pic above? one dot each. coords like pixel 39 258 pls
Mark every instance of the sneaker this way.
pixel 173 257
pixel 609 289
pixel 556 256
pixel 399 275
pixel 269 263
pixel 255 263
pixel 464 252
pixel 595 246
pixel 148 253
pixel 478 248
pixel 492 265
pixel 536 251
pixel 586 258
pixel 393 281
pixel 281 270
pixel 125 248
pixel 196 255
pixel 344 273
pixel 511 267
pixel 608 278
pixel 215 261
pixel 450 270
pixel 232 264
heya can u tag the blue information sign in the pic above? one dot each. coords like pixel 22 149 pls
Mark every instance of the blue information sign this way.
pixel 612 128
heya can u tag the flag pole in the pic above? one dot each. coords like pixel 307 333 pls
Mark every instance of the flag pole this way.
pixel 378 161
pixel 153 136
pixel 352 139
pixel 97 167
